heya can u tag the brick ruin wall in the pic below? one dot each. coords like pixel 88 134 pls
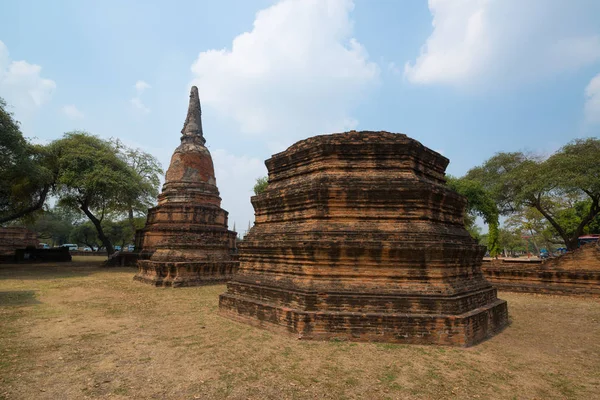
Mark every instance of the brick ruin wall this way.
pixel 13 238
pixel 574 273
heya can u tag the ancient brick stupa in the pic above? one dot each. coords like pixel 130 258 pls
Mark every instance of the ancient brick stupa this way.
pixel 186 234
pixel 357 237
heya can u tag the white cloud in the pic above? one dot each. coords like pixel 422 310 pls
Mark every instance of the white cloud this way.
pixel 138 105
pixel 297 73
pixel 483 42
pixel 592 101
pixel 140 86
pixel 72 112
pixel 21 84
pixel 236 176
pixel 136 101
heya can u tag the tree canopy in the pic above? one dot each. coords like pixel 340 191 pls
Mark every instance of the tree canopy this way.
pixel 95 177
pixel 564 188
pixel 86 174
pixel 479 203
pixel 26 171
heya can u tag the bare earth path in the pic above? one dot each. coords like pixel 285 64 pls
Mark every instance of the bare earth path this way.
pixel 76 331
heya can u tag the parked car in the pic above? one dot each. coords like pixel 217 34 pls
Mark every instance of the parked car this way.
pixel 117 248
pixel 43 246
pixel 71 246
pixel 86 248
pixel 130 247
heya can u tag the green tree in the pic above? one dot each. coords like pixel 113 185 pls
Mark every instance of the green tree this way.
pixel 594 226
pixel 149 170
pixel 26 174
pixel 94 179
pixel 54 225
pixel 555 186
pixel 510 241
pixel 261 185
pixel 479 203
pixel 122 232
pixel 85 233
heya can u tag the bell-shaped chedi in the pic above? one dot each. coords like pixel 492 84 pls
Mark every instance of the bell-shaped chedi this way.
pixel 357 237
pixel 186 237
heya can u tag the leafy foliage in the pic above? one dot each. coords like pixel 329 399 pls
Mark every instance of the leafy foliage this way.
pixel 94 178
pixel 148 170
pixel 261 185
pixel 85 233
pixel 479 203
pixel 565 188
pixel 26 173
pixel 55 226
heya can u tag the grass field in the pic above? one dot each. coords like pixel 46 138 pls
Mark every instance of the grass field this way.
pixel 77 331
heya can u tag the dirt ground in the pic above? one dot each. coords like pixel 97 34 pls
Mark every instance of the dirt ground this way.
pixel 77 331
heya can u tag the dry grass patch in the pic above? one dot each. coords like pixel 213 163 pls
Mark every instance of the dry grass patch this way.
pixel 77 331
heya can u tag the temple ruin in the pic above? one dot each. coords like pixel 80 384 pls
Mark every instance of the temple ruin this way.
pixel 13 238
pixel 574 273
pixel 357 238
pixel 186 241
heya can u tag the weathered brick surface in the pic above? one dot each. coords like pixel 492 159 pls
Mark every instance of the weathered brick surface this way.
pixel 13 238
pixel 357 237
pixel 186 241
pixel 575 273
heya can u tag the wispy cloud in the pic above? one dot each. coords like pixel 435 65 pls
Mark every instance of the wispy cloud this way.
pixel 136 101
pixel 592 101
pixel 72 112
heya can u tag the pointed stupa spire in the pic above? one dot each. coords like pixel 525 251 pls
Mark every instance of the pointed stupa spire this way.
pixel 193 121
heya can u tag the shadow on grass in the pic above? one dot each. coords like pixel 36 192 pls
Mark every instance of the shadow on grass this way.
pixel 18 298
pixel 49 270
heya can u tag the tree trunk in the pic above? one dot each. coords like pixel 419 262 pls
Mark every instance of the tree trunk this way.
pixel 555 225
pixel 535 246
pixel 39 204
pixel 132 223
pixel 103 238
pixel 571 242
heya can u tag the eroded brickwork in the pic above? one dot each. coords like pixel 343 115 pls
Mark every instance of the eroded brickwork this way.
pixel 358 238
pixel 575 273
pixel 13 238
pixel 186 241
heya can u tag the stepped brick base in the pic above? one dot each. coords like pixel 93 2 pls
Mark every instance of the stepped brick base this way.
pixel 465 329
pixel 180 274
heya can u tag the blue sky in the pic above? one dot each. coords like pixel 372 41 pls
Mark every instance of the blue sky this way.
pixel 467 78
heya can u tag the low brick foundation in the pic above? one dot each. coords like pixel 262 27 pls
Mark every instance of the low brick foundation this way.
pixel 180 274
pixel 576 273
pixel 407 325
pixel 60 254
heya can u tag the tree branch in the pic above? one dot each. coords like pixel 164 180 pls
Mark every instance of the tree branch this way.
pixel 39 204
